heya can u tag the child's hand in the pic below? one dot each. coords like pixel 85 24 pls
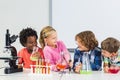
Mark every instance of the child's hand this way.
pixel 78 68
pixel 20 66
pixel 36 54
pixel 70 63
pixel 113 69
pixel 106 69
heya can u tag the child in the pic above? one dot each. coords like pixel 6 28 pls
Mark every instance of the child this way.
pixel 87 45
pixel 53 49
pixel 28 39
pixel 111 52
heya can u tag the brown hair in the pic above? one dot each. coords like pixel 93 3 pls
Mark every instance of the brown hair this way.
pixel 110 44
pixel 87 38
pixel 45 32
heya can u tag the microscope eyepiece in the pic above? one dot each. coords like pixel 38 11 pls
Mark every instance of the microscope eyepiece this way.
pixel 10 39
pixel 7 38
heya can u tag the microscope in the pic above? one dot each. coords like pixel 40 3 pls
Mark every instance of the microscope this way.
pixel 13 67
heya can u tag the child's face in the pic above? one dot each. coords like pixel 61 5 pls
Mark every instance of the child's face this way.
pixel 31 42
pixel 51 40
pixel 108 54
pixel 80 45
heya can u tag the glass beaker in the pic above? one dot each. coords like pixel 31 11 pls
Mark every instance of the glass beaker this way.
pixel 34 56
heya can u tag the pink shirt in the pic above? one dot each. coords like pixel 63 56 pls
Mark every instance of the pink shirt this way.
pixel 53 54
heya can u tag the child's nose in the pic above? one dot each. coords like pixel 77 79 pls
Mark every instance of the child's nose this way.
pixel 113 54
pixel 34 44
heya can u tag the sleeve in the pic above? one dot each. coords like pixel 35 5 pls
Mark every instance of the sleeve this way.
pixel 76 57
pixel 20 59
pixel 66 52
pixel 48 55
pixel 97 65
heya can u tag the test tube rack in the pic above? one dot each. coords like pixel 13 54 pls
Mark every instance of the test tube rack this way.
pixel 41 67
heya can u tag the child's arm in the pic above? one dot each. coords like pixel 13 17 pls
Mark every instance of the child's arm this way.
pixel 20 59
pixel 97 64
pixel 52 62
pixel 106 65
pixel 76 62
pixel 65 51
pixel 67 56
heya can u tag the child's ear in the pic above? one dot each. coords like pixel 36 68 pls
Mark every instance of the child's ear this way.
pixel 25 44
pixel 45 40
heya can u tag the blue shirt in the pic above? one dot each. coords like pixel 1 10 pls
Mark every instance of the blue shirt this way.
pixel 95 58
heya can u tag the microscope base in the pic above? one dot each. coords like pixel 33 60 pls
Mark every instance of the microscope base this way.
pixel 9 70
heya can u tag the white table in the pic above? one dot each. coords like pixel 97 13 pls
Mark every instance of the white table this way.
pixel 25 75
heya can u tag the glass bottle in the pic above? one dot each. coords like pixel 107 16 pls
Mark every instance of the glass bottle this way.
pixel 86 68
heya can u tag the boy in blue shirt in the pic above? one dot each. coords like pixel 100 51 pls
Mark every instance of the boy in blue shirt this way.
pixel 87 54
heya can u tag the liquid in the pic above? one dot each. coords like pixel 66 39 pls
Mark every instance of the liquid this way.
pixel 61 66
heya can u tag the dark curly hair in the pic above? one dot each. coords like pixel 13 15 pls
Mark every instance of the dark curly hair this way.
pixel 25 33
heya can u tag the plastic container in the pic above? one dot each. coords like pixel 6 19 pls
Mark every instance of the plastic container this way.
pixel 113 71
